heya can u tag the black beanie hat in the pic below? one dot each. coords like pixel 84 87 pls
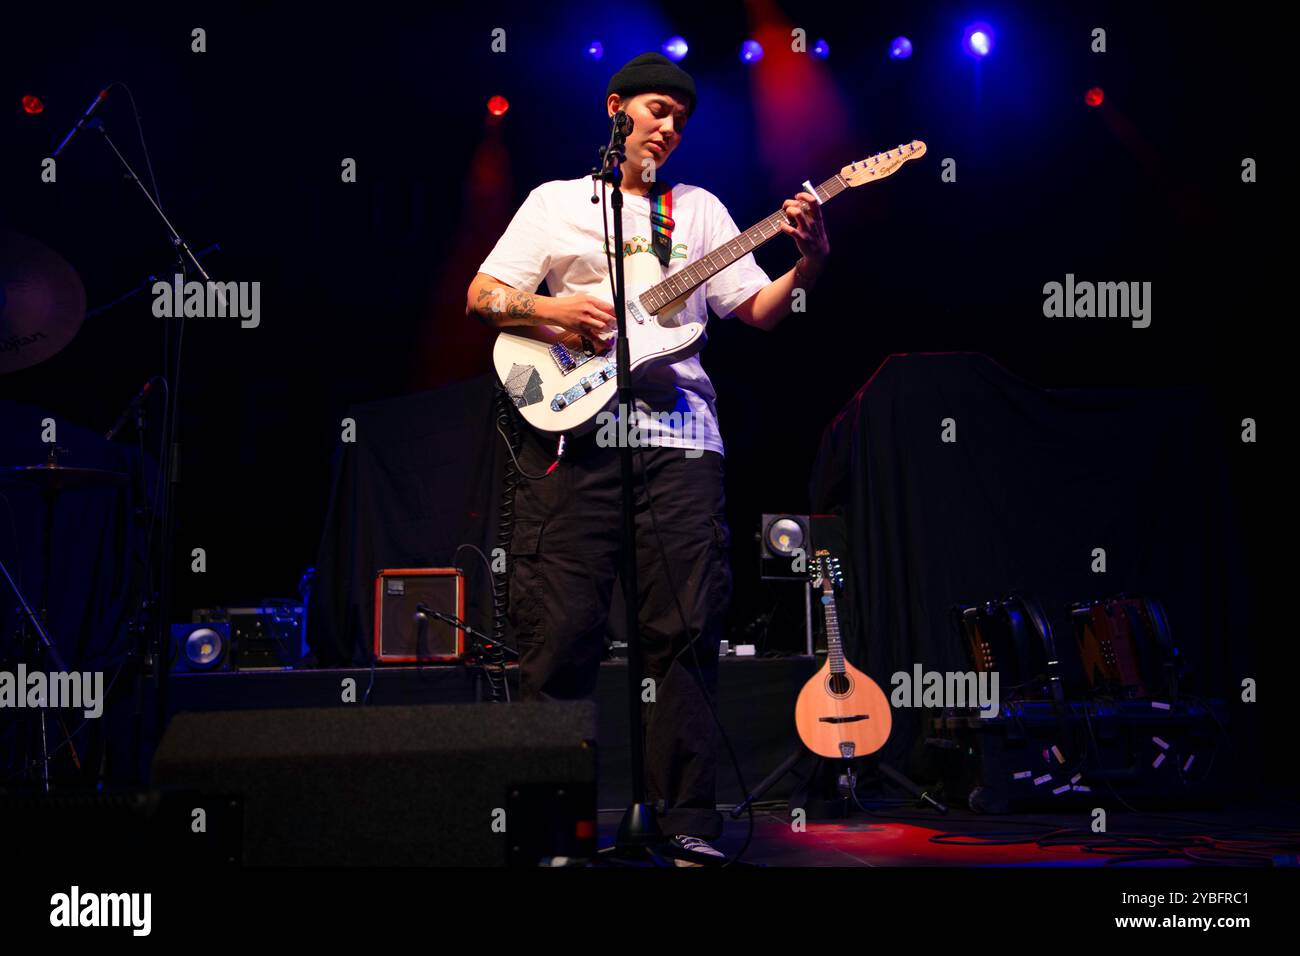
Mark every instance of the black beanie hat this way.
pixel 653 73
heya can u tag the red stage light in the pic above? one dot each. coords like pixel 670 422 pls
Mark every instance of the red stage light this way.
pixel 33 105
pixel 498 105
pixel 1095 96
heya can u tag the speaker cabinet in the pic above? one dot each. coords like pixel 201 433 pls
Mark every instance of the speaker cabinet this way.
pixel 404 634
pixel 432 785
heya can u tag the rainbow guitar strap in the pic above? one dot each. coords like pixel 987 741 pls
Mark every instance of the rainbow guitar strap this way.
pixel 661 221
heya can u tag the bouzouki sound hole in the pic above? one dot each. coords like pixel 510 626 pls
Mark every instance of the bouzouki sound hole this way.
pixel 838 685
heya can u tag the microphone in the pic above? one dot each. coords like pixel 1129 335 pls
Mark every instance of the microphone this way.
pixel 421 619
pixel 126 412
pixel 623 124
pixel 103 95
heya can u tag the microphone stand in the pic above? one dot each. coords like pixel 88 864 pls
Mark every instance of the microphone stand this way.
pixel 638 832
pixel 159 633
pixel 484 649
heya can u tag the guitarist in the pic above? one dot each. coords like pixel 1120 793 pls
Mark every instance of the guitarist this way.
pixel 565 548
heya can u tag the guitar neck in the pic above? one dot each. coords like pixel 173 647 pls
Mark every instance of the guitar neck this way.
pixel 686 281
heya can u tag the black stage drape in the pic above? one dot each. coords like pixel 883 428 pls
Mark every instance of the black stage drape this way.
pixel 97 574
pixel 97 548
pixel 422 477
pixel 1035 481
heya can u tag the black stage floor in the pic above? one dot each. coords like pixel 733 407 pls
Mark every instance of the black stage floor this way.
pixel 1243 835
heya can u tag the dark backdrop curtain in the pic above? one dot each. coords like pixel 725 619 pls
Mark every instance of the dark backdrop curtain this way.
pixel 422 478
pixel 1036 479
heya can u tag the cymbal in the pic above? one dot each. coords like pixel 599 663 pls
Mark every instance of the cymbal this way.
pixel 60 477
pixel 42 302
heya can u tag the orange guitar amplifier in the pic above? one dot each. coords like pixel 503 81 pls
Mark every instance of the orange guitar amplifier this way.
pixel 403 633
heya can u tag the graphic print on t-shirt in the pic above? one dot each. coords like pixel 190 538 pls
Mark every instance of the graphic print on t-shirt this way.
pixel 641 244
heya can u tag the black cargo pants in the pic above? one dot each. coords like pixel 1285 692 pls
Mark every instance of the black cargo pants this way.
pixel 565 555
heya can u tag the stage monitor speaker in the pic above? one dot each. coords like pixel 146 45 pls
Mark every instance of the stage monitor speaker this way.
pixel 405 635
pixel 440 785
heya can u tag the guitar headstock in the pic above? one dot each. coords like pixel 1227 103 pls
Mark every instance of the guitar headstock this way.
pixel 882 164
pixel 825 569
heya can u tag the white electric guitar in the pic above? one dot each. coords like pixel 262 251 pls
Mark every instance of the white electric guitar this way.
pixel 559 388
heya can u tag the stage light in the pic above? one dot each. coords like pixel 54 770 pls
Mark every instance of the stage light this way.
pixel 595 49
pixel 675 48
pixel 821 49
pixel 751 51
pixel 498 105
pixel 1095 96
pixel 33 105
pixel 977 41
pixel 900 48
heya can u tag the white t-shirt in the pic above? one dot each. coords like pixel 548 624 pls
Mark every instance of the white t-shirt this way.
pixel 556 235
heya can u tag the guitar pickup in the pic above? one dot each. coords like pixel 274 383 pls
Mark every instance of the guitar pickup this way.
pixel 584 385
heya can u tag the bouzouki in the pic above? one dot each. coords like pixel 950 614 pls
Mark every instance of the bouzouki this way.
pixel 841 713
pixel 558 387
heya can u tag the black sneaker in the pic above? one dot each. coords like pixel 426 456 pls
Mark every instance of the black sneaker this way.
pixel 696 846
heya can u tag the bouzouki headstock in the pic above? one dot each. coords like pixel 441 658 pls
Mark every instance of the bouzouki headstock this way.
pixel 825 570
pixel 882 164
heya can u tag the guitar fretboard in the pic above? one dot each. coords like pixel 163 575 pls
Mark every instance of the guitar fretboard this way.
pixel 698 272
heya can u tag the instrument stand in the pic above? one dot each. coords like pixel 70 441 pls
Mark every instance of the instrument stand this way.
pixel 892 775
pixel 817 808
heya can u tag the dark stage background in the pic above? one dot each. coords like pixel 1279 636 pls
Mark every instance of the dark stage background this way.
pixel 363 284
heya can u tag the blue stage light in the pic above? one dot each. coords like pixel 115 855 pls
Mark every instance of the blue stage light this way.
pixel 751 51
pixel 977 41
pixel 821 49
pixel 595 49
pixel 675 48
pixel 900 48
